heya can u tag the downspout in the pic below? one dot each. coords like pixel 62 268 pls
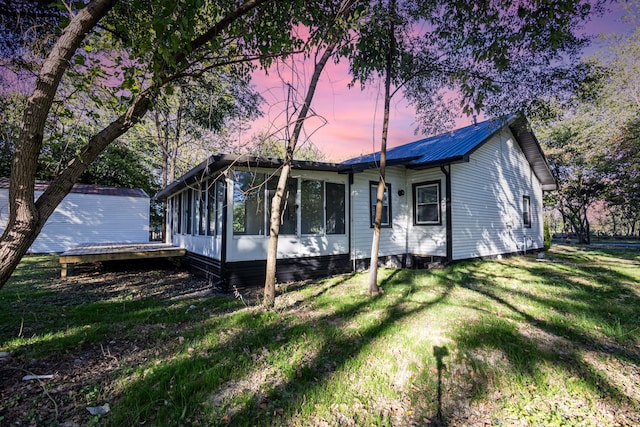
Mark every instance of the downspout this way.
pixel 409 207
pixel 223 242
pixel 350 230
pixel 447 180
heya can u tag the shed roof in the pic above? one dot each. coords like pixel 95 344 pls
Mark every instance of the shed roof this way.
pixel 87 189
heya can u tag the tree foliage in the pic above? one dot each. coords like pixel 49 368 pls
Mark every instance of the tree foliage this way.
pixel 594 144
pixel 155 43
pixel 493 58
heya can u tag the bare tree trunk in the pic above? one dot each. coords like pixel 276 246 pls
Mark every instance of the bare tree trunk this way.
pixel 276 203
pixel 274 230
pixel 375 244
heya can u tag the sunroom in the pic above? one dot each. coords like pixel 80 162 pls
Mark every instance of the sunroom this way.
pixel 219 212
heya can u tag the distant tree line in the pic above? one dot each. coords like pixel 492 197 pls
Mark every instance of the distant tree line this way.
pixel 593 144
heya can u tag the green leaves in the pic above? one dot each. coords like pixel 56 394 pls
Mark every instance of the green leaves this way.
pixel 482 53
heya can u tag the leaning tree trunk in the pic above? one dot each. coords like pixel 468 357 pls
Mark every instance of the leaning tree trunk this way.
pixel 26 216
pixel 276 203
pixel 26 219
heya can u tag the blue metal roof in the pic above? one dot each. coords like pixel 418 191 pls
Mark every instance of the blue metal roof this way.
pixel 450 146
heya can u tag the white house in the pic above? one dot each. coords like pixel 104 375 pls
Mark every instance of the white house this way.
pixel 88 214
pixel 473 192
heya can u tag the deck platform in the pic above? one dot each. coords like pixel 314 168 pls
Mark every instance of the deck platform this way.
pixel 86 253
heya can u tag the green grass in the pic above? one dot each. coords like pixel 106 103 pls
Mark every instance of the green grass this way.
pixel 507 342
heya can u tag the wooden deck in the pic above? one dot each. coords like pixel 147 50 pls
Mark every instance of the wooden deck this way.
pixel 115 252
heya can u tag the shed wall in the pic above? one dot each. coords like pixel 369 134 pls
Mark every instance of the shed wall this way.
pixel 88 218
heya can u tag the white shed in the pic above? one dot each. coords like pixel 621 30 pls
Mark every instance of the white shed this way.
pixel 88 214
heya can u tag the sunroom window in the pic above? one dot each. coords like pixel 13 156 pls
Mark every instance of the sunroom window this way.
pixel 215 206
pixel 312 214
pixel 248 203
pixel 320 208
pixel 335 211
pixel 288 214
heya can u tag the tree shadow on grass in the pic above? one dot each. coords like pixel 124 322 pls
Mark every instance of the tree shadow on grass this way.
pixel 222 365
pixel 243 381
pixel 498 338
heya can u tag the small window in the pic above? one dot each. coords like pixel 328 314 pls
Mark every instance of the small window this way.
pixel 385 221
pixel 526 211
pixel 426 200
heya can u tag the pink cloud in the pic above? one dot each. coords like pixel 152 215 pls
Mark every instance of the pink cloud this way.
pixel 349 121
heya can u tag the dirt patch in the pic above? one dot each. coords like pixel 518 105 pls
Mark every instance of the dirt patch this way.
pixel 80 377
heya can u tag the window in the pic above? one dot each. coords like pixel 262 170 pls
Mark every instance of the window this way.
pixel 220 202
pixel 288 214
pixel 201 211
pixel 187 209
pixel 198 211
pixel 215 204
pixel 312 211
pixel 386 204
pixel 211 208
pixel 335 208
pixel 248 203
pixel 526 211
pixel 426 199
pixel 178 206
pixel 322 207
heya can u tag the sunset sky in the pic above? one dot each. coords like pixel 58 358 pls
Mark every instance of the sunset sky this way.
pixel 352 124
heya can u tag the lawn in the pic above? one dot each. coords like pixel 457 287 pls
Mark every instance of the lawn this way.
pixel 509 342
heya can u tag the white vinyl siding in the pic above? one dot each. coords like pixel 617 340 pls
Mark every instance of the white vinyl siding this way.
pixel 392 239
pixel 487 201
pixel 428 239
pixel 88 218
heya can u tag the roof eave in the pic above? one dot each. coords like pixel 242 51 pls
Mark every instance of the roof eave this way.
pixel 533 152
pixel 218 162
pixel 361 167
